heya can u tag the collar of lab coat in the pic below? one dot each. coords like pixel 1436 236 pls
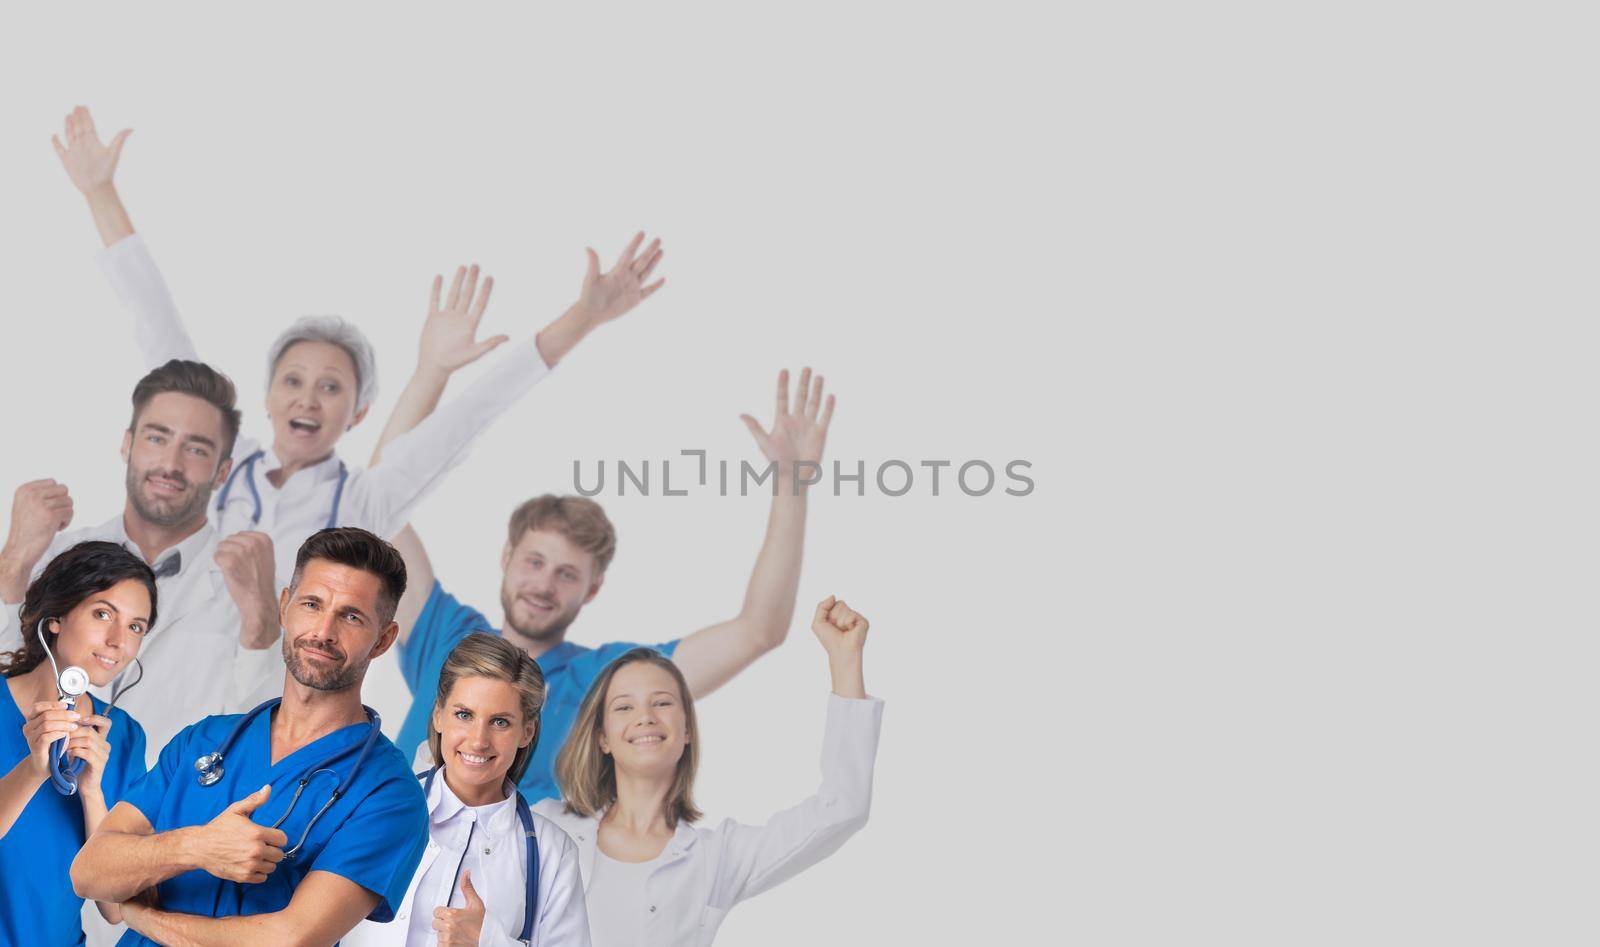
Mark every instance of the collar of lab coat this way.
pixel 198 565
pixel 325 469
pixel 444 804
pixel 585 833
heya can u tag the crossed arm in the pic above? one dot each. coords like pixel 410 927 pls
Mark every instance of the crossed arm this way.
pixel 125 857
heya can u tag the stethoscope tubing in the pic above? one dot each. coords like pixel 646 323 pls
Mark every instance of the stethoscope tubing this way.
pixel 212 763
pixel 248 465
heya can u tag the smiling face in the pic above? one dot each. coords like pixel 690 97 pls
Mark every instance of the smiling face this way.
pixel 331 625
pixel 547 581
pixel 480 727
pixel 104 632
pixel 312 400
pixel 174 458
pixel 644 727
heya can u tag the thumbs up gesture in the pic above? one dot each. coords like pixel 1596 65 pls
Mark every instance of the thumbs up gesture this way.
pixel 234 848
pixel 461 927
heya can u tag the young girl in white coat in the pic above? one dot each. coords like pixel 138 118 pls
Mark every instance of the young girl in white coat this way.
pixel 494 873
pixel 653 877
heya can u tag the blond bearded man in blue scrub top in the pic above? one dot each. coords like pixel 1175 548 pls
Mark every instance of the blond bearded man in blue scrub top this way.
pixel 248 858
pixel 554 563
pixel 323 377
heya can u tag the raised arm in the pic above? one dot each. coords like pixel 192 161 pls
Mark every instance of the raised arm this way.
pixel 39 510
pixel 323 909
pixel 419 445
pixel 92 166
pixel 712 656
pixel 126 856
pixel 755 858
pixel 158 329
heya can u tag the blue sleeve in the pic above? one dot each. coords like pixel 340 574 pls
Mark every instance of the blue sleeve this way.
pixel 147 792
pixel 591 663
pixel 380 845
pixel 127 744
pixel 441 624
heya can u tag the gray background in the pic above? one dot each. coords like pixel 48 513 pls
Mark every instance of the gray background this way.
pixel 1290 306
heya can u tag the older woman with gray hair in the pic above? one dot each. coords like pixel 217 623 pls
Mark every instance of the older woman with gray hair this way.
pixel 323 376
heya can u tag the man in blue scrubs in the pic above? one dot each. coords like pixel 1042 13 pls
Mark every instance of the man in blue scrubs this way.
pixel 273 852
pixel 554 562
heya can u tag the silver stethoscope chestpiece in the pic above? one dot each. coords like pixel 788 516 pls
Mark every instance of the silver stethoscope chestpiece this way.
pixel 74 681
pixel 210 767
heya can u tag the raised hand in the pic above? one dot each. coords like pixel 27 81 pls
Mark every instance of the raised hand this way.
pixel 449 334
pixel 48 721
pixel 89 163
pixel 461 927
pixel 840 628
pixel 249 570
pixel 39 510
pixel 796 435
pixel 233 848
pixel 607 295
pixel 843 633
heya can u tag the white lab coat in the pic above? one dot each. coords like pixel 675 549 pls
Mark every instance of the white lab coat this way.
pixel 561 922
pixel 703 872
pixel 379 499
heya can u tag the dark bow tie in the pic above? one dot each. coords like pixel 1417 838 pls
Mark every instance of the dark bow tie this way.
pixel 169 566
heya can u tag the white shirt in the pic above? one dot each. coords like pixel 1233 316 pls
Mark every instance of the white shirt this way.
pixel 191 657
pixel 704 872
pixel 619 900
pixel 498 861
pixel 379 499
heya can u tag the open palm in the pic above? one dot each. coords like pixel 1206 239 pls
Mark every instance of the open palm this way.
pixel 798 434
pixel 607 295
pixel 450 333
pixel 89 163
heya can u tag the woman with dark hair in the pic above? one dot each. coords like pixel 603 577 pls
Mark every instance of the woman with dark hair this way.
pixel 651 876
pixel 89 610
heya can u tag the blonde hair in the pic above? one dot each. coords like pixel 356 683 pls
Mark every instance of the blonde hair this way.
pixel 579 519
pixel 588 777
pixel 484 655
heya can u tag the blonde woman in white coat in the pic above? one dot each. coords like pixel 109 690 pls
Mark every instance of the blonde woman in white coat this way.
pixel 478 882
pixel 651 875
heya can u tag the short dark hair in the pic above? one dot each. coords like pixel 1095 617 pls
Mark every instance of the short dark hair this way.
pixel 355 547
pixel 199 380
pixel 66 583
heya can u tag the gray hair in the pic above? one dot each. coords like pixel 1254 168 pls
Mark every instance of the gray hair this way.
pixel 337 331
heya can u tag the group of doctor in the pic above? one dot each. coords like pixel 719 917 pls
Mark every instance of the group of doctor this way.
pixel 185 757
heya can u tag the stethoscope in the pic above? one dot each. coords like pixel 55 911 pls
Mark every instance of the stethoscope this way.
pixel 525 816
pixel 248 465
pixel 70 685
pixel 210 767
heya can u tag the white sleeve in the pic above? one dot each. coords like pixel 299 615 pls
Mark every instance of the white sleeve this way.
pixel 382 498
pixel 257 677
pixel 11 630
pixel 10 626
pixel 755 858
pixel 158 330
pixel 563 916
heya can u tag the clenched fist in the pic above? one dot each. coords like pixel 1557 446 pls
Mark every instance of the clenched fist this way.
pixel 39 510
pixel 250 571
pixel 843 632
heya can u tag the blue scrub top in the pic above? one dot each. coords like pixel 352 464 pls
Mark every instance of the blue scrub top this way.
pixel 568 669
pixel 36 855
pixel 374 835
